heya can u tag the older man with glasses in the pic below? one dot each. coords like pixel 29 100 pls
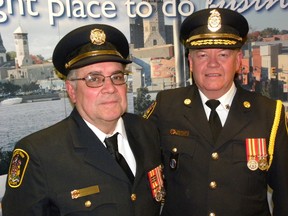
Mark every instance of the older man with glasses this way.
pixel 98 161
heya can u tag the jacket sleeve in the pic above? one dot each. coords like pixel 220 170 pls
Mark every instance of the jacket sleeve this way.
pixel 26 188
pixel 277 174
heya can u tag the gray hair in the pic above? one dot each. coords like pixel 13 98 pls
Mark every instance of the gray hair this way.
pixel 72 74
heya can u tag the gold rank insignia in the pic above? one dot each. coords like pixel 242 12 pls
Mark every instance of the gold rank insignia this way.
pixel 97 36
pixel 17 169
pixel 150 110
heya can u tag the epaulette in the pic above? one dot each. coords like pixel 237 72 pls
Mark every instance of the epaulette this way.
pixel 150 110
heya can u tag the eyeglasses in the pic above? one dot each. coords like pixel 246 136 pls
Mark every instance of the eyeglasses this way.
pixel 95 80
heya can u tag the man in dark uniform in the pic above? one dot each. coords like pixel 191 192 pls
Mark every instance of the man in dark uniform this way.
pixel 66 169
pixel 220 164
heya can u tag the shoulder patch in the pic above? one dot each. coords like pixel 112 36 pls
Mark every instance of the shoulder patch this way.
pixel 17 169
pixel 150 110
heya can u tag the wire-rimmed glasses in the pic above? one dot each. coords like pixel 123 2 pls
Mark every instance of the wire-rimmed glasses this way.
pixel 95 80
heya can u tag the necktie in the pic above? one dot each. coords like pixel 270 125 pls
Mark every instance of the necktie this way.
pixel 112 147
pixel 214 120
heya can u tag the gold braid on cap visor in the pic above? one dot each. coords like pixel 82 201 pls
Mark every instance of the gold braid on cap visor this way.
pixel 221 39
pixel 91 54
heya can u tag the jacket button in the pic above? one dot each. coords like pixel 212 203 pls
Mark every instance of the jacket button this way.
pixel 215 156
pixel 88 204
pixel 213 185
pixel 133 197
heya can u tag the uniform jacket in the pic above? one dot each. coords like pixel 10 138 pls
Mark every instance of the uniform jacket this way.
pixel 68 156
pixel 203 178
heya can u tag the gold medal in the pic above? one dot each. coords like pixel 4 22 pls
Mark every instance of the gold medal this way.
pixel 262 163
pixel 262 154
pixel 159 196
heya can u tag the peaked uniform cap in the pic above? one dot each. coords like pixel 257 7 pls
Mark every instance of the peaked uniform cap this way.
pixel 88 45
pixel 214 28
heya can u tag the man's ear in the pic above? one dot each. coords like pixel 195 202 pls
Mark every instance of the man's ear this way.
pixel 190 64
pixel 71 91
pixel 239 61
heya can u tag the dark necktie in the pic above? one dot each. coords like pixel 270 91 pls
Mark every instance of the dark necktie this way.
pixel 214 120
pixel 112 147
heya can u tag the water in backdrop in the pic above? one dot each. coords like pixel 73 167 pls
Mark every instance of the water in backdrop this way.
pixel 19 120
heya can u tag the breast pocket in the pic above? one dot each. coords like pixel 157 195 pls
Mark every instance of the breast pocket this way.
pixel 177 147
pixel 100 203
pixel 247 181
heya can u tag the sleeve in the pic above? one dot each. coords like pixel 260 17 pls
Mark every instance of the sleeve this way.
pixel 26 188
pixel 277 174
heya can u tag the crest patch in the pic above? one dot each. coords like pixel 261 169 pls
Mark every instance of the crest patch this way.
pixel 18 165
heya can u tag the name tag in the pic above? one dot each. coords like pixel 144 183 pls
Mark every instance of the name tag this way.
pixel 77 193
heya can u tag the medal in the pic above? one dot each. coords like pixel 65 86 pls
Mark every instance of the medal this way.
pixel 156 183
pixel 262 154
pixel 252 164
pixel 256 154
pixel 262 163
pixel 160 194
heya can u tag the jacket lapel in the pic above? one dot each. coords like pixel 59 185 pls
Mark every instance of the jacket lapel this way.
pixel 195 114
pixel 135 145
pixel 91 149
pixel 239 116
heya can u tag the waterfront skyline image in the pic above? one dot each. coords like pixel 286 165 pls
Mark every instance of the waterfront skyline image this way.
pixel 43 36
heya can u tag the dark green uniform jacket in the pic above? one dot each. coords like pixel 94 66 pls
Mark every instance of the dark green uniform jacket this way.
pixel 67 157
pixel 207 179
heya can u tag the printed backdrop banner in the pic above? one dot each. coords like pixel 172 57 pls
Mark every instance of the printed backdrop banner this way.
pixel 30 29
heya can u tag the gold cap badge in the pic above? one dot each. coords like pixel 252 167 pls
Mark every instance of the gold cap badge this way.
pixel 97 36
pixel 214 21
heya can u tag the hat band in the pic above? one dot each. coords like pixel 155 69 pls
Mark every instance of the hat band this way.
pixel 225 42
pixel 91 54
pixel 214 36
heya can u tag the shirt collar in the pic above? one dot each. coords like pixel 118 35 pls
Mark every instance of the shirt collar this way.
pixel 120 128
pixel 225 100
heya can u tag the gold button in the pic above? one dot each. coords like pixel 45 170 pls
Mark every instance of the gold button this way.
pixel 213 185
pixel 88 204
pixel 246 104
pixel 133 197
pixel 212 214
pixel 187 101
pixel 215 156
pixel 174 150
